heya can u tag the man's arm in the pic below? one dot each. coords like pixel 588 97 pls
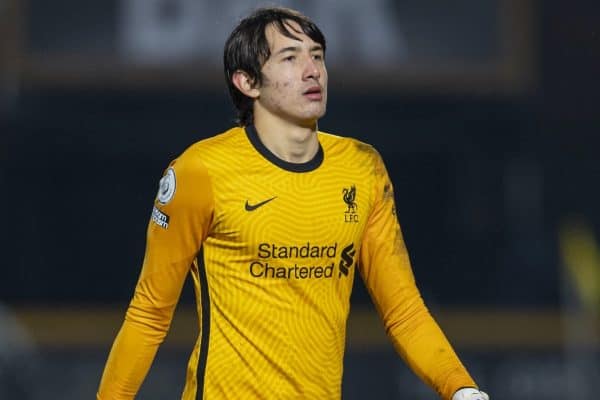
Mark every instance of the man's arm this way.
pixel 180 220
pixel 386 270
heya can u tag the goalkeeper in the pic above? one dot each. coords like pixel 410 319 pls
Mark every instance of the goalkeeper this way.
pixel 285 215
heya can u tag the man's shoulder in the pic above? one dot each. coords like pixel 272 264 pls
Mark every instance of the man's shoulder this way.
pixel 204 152
pixel 213 145
pixel 222 139
pixel 346 144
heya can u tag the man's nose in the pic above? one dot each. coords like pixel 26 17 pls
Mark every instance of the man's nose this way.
pixel 311 69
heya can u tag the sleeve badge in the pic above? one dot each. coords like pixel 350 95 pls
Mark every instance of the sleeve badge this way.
pixel 166 187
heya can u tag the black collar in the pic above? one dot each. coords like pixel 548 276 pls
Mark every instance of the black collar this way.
pixel 310 165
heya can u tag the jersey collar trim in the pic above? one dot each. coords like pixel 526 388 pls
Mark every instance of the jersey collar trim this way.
pixel 308 166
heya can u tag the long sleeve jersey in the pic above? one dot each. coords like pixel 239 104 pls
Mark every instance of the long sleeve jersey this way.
pixel 272 248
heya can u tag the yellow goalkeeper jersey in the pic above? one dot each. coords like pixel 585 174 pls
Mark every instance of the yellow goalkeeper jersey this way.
pixel 272 248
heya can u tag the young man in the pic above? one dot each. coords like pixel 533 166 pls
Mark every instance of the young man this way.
pixel 284 215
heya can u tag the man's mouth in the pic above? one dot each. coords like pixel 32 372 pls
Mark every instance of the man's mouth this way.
pixel 314 93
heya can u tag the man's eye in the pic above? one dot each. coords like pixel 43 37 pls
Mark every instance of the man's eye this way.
pixel 318 57
pixel 290 58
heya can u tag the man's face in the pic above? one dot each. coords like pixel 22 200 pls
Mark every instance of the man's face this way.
pixel 294 84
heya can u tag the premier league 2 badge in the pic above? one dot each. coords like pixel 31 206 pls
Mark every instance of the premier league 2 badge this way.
pixel 166 187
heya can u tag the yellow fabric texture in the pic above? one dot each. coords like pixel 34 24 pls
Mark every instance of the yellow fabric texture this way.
pixel 280 250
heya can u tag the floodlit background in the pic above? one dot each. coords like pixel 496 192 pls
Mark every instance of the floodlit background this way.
pixel 486 112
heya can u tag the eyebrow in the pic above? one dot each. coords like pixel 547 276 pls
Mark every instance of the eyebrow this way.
pixel 297 49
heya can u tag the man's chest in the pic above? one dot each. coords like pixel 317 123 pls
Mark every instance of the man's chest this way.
pixel 292 209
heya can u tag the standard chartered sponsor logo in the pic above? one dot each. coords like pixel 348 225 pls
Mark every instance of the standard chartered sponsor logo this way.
pixel 318 261
pixel 264 270
pixel 272 250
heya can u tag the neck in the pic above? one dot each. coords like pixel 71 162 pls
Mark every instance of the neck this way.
pixel 289 141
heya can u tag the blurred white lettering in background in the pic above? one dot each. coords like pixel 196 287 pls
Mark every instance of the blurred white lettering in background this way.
pixel 180 31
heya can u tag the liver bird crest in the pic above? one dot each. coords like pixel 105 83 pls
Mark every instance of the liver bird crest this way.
pixel 349 196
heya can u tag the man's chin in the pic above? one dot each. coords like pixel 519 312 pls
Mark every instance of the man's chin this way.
pixel 313 117
pixel 308 119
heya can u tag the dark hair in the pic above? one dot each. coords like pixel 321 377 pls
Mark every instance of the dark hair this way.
pixel 247 49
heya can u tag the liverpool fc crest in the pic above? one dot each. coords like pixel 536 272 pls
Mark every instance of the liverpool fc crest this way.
pixel 349 198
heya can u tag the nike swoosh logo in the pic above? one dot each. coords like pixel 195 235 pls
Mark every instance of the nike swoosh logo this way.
pixel 252 207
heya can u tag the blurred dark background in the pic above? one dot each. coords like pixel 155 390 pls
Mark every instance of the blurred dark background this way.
pixel 486 112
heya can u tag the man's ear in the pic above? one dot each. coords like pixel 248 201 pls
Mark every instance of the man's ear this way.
pixel 245 84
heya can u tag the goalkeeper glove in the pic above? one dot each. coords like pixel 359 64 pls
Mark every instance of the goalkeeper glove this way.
pixel 470 394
